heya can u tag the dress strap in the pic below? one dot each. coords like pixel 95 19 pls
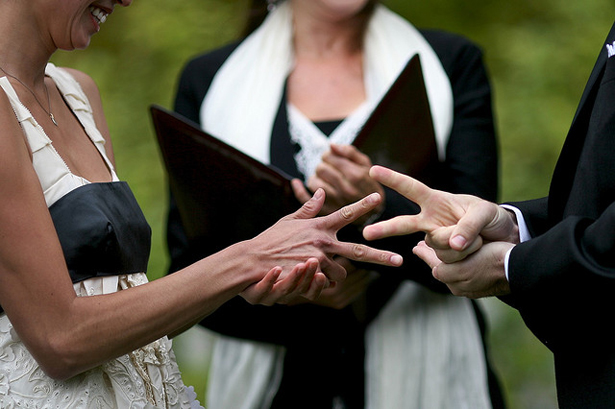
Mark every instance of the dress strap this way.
pixel 37 140
pixel 78 102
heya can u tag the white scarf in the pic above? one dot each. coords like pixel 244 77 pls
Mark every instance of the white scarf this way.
pixel 402 370
pixel 245 94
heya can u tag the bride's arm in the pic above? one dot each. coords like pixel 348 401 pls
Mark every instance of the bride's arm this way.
pixel 69 334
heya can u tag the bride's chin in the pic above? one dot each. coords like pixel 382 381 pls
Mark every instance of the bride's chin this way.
pixel 79 42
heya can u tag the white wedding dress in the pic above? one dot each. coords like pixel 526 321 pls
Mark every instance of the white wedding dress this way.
pixel 145 378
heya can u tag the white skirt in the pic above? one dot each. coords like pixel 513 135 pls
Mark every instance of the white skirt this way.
pixel 145 378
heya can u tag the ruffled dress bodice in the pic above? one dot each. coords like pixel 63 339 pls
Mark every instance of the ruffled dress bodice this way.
pixel 105 239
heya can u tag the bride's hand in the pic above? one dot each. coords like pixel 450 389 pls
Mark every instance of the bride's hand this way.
pixel 301 236
pixel 303 281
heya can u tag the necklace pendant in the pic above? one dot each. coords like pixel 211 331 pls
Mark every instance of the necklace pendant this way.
pixel 53 119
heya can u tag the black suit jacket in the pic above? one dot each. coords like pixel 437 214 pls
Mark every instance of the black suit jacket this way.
pixel 563 280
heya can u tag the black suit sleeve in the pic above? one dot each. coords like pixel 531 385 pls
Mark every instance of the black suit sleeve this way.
pixel 563 279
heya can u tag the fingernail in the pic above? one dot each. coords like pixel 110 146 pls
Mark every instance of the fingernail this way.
pixel 397 260
pixel 458 242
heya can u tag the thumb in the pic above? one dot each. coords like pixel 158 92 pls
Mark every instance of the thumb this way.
pixel 469 227
pixel 310 208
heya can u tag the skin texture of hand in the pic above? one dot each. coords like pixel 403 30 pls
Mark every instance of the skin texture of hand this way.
pixel 481 274
pixel 466 239
pixel 344 175
pixel 455 225
pixel 300 236
pixel 344 293
pixel 303 281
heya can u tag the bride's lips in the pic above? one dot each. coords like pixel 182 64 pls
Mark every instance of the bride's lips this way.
pixel 99 15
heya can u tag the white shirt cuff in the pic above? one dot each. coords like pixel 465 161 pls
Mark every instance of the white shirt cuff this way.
pixel 524 233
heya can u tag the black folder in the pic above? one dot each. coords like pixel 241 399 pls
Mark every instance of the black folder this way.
pixel 225 196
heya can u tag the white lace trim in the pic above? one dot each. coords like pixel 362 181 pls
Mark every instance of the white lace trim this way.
pixel 314 143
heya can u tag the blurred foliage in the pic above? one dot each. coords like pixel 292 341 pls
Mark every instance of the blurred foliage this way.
pixel 539 54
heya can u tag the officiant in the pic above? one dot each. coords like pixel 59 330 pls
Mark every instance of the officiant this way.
pixel 294 92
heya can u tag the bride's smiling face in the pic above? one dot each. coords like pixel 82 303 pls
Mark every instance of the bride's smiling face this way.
pixel 73 22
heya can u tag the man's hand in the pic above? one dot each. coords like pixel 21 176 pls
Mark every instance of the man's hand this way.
pixel 455 225
pixel 479 275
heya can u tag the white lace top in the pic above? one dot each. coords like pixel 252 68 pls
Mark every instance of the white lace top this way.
pixel 145 378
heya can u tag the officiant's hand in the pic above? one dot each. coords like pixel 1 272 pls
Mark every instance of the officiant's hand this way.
pixel 344 175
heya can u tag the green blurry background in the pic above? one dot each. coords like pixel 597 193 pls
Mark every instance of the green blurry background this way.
pixel 539 54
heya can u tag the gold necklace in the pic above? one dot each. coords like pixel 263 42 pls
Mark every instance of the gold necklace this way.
pixel 48 112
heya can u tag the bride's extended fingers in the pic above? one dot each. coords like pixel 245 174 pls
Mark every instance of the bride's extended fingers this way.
pixel 405 185
pixel 360 252
pixel 352 212
pixel 310 208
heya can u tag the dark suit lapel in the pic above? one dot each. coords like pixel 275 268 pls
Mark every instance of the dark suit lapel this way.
pixel 596 74
pixel 566 164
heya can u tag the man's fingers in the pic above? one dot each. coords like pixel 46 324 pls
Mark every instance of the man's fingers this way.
pixel 314 183
pixel 409 187
pixel 471 224
pixel 449 255
pixel 396 226
pixel 427 254
pixel 440 238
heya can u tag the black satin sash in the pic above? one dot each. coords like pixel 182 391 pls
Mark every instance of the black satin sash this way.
pixel 102 230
